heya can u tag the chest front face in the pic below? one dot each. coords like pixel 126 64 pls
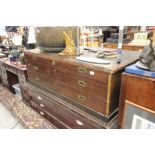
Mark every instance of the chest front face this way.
pixel 85 85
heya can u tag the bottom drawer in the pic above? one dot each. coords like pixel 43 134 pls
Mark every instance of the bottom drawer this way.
pixel 60 113
pixel 48 116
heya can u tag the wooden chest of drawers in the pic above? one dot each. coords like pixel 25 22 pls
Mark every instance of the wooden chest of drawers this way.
pixel 95 87
pixel 138 90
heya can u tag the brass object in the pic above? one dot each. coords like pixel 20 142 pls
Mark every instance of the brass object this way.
pixel 82 98
pixel 82 69
pixel 70 49
pixel 108 94
pixel 51 39
pixel 36 68
pixel 81 83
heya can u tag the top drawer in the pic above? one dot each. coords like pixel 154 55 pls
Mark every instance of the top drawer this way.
pixel 81 71
pixel 11 69
pixel 41 65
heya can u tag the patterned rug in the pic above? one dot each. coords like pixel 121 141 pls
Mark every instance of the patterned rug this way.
pixel 28 117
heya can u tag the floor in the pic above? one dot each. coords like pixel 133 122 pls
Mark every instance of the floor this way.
pixel 7 120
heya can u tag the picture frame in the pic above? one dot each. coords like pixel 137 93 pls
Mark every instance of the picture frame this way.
pixel 138 117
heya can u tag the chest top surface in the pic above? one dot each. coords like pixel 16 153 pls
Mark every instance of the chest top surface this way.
pixel 128 57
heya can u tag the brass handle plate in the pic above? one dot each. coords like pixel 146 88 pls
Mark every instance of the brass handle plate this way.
pixel 82 69
pixel 82 98
pixel 35 67
pixel 82 83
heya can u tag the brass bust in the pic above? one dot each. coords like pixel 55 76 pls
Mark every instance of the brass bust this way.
pixel 70 49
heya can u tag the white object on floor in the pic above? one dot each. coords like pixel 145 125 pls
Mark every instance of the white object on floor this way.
pixel 7 120
pixel 17 90
pixel 93 60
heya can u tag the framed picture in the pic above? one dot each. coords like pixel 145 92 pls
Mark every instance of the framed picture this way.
pixel 137 117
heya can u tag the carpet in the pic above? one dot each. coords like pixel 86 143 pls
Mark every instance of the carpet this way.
pixel 28 117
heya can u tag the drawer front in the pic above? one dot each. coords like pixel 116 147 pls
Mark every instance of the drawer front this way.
pixel 96 103
pixel 40 79
pixel 11 69
pixel 45 69
pixel 82 84
pixel 71 119
pixel 81 71
pixel 43 66
pixel 48 116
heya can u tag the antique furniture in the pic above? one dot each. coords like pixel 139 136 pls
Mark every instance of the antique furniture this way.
pixel 137 89
pixel 11 73
pixel 131 47
pixel 72 93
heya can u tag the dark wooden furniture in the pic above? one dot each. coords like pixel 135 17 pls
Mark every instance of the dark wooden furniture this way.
pixel 129 47
pixel 91 90
pixel 136 89
pixel 11 73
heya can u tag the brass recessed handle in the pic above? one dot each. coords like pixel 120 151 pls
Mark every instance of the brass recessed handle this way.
pixel 82 83
pixel 35 67
pixel 82 98
pixel 82 69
